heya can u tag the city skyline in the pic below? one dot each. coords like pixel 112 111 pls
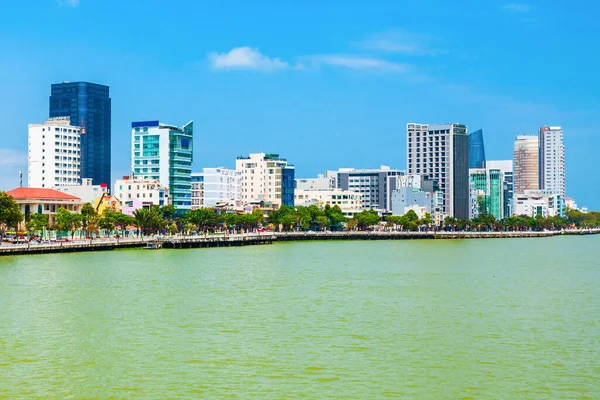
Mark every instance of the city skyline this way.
pixel 345 104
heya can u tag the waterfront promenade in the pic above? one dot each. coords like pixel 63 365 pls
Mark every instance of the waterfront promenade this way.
pixel 246 239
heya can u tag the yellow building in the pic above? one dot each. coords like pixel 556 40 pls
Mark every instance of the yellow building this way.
pixel 105 201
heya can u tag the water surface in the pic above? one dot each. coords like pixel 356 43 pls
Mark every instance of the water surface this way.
pixel 493 318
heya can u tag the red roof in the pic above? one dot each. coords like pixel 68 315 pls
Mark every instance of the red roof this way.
pixel 25 193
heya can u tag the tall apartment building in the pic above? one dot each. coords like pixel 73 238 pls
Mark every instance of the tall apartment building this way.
pixel 476 150
pixel 164 152
pixel 88 105
pixel 440 153
pixel 222 186
pixel 552 159
pixel 506 167
pixel 266 177
pixel 54 154
pixel 526 164
pixel 372 184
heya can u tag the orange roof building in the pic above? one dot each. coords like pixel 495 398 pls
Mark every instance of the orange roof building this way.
pixel 44 201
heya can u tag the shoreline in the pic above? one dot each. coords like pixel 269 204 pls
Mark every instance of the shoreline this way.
pixel 250 239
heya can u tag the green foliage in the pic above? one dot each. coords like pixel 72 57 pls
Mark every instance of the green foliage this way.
pixel 366 218
pixel 203 219
pixel 67 221
pixel 37 222
pixel 10 214
pixel 148 220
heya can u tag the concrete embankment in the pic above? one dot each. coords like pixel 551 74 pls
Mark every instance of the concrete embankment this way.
pixel 222 240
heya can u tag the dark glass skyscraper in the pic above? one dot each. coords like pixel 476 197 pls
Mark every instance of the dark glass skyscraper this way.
pixel 88 105
pixel 476 150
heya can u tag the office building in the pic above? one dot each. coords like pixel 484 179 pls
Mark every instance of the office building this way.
pixel 349 202
pixel 526 164
pixel 54 154
pixel 197 190
pixel 440 153
pixel 221 187
pixel 476 150
pixel 371 184
pixel 488 184
pixel 88 105
pixel 266 178
pixel 545 203
pixel 506 167
pixel 164 153
pixel 552 159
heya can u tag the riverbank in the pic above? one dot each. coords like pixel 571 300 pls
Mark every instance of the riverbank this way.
pixel 249 239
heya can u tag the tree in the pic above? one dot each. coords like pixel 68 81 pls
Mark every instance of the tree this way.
pixel 367 218
pixel 87 213
pixel 168 213
pixel 203 218
pixel 37 222
pixel 10 214
pixel 259 214
pixel 108 219
pixel 148 220
pixel 67 221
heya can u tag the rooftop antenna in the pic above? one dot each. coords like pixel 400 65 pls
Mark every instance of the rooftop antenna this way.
pixel 21 178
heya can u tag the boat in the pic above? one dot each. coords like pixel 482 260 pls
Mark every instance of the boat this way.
pixel 153 246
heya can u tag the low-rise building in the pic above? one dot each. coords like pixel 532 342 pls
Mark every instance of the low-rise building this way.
pixel 349 202
pixel 44 201
pixel 221 187
pixel 321 182
pixel 87 191
pixel 266 177
pixel 106 202
pixel 135 193
pixel 539 202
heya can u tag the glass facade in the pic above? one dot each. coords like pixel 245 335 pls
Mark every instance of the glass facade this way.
pixel 180 166
pixel 287 186
pixel 88 105
pixel 460 172
pixel 489 183
pixel 476 150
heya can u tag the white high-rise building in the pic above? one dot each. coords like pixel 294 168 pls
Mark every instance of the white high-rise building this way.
pixel 54 154
pixel 440 152
pixel 222 186
pixel 552 160
pixel 266 177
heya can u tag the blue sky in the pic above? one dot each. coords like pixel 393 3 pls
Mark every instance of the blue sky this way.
pixel 325 84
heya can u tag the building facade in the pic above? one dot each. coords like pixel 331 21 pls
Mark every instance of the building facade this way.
pixel 489 187
pixel 321 182
pixel 222 187
pixel 44 201
pixel 440 153
pixel 197 190
pixel 476 150
pixel 552 159
pixel 164 152
pixel 88 105
pixel 371 184
pixel 539 202
pixel 267 178
pixel 526 164
pixel 87 191
pixel 54 157
pixel 506 167
pixel 349 202
pixel 136 193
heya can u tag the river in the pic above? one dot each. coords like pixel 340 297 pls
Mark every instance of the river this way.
pixel 488 318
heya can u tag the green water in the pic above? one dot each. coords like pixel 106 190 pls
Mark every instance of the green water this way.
pixel 507 318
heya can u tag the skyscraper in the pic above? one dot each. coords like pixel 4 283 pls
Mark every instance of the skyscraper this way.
pixel 87 105
pixel 552 160
pixel 526 162
pixel 440 153
pixel 165 153
pixel 476 150
pixel 488 182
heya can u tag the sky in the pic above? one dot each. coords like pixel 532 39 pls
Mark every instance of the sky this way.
pixel 324 84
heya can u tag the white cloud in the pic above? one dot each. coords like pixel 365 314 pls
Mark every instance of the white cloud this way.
pixel 400 42
pixel 358 62
pixel 10 157
pixel 521 8
pixel 247 58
